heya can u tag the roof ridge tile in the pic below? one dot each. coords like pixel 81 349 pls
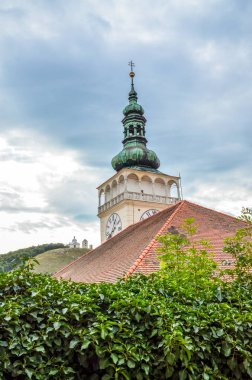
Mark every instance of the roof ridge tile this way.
pixel 217 211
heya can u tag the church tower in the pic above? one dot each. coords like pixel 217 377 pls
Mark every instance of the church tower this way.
pixel 138 189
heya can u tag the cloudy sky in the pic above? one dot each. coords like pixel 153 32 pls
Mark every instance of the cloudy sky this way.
pixel 64 82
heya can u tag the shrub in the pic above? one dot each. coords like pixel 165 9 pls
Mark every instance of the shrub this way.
pixel 136 329
pixel 182 323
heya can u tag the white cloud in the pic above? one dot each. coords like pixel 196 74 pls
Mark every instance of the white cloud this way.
pixel 114 21
pixel 44 195
pixel 226 194
pixel 220 58
pixel 26 20
pixel 24 230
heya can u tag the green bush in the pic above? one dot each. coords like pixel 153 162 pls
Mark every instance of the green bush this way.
pixel 142 328
pixel 181 323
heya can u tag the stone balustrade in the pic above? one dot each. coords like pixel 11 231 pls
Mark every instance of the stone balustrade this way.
pixel 137 196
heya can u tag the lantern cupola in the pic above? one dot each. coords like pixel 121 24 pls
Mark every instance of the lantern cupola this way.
pixel 135 153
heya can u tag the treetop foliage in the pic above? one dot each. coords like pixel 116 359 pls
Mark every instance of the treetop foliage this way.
pixel 10 260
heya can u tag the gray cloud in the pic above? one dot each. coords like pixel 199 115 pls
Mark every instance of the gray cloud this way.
pixel 8 229
pixel 11 155
pixel 74 196
pixel 29 227
pixel 11 201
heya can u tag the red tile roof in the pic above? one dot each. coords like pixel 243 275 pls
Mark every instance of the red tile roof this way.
pixel 134 249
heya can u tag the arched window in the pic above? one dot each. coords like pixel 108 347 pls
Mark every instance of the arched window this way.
pixel 174 192
pixel 107 193
pixel 160 187
pixel 133 183
pixel 131 130
pixel 139 130
pixel 114 189
pixel 121 184
pixel 146 185
pixel 101 197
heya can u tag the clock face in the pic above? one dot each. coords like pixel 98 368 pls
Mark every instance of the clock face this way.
pixel 148 213
pixel 113 226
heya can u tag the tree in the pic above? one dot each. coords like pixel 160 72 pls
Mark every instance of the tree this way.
pixel 239 247
pixel 186 262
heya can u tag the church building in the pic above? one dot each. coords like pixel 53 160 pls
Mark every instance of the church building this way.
pixel 137 205
pixel 74 243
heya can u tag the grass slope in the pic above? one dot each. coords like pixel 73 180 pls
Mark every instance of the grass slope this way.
pixel 12 259
pixel 52 261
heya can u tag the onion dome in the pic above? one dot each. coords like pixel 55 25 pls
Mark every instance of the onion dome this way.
pixel 135 153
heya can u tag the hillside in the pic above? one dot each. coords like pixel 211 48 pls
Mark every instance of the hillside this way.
pixel 10 260
pixel 51 261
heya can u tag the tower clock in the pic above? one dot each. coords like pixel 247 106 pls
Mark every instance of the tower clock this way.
pixel 148 213
pixel 113 225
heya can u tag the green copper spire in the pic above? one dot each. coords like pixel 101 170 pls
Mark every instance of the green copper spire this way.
pixel 135 153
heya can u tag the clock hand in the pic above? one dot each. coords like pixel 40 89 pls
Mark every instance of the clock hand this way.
pixel 113 229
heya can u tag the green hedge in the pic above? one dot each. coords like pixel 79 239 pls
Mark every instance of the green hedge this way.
pixel 140 329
